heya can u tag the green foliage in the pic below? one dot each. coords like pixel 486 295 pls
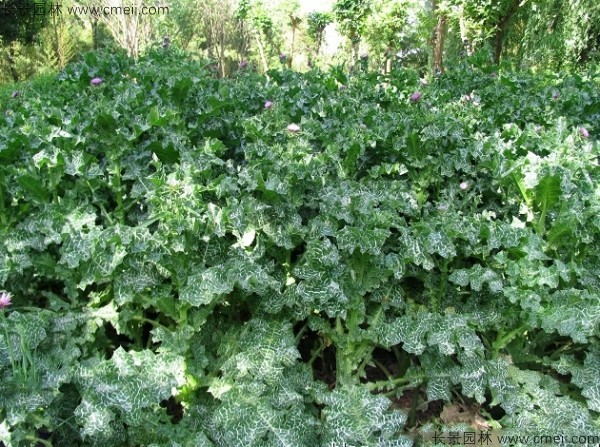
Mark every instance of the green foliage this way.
pixel 317 22
pixel 391 29
pixel 18 21
pixel 571 33
pixel 182 24
pixel 351 16
pixel 187 271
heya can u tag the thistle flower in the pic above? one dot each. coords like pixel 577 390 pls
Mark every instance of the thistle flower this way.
pixel 464 186
pixel 584 132
pixel 96 81
pixel 15 94
pixel 415 97
pixel 293 128
pixel 268 104
pixel 5 300
pixel 243 64
pixel 555 95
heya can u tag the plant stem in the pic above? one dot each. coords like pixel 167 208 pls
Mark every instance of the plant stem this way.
pixel 504 339
pixel 152 322
pixel 400 380
pixel 341 354
pixel 316 353
pixel 301 333
pixel 35 440
pixel 7 340
pixel 2 208
pixel 119 191
pixel 441 292
pixel 382 367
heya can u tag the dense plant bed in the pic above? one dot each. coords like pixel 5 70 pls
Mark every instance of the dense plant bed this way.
pixel 299 260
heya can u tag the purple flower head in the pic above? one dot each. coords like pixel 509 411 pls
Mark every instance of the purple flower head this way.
pixel 415 97
pixel 15 94
pixel 584 132
pixel 282 58
pixel 5 300
pixel 293 128
pixel 555 95
pixel 96 81
pixel 243 64
pixel 268 104
pixel 464 186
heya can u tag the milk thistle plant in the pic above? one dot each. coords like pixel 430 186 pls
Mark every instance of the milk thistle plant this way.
pixel 281 261
pixel 16 341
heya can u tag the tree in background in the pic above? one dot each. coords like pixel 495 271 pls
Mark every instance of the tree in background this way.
pixel 317 22
pixel 387 30
pixel 476 24
pixel 262 26
pixel 133 32
pixel 547 33
pixel 438 38
pixel 491 20
pixel 351 16
pixel 220 30
pixel 557 33
pixel 19 24
pixel 541 33
pixel 295 21
pixel 65 36
pixel 256 20
pixel 183 24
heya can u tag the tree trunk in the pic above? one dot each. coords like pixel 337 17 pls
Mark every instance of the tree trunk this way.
pixel 291 58
pixel 222 51
pixel 498 40
pixel 388 60
pixel 438 47
pixel 94 22
pixel 261 52
pixel 355 47
pixel 57 42
pixel 501 30
pixel 319 42
pixel 12 63
pixel 464 34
